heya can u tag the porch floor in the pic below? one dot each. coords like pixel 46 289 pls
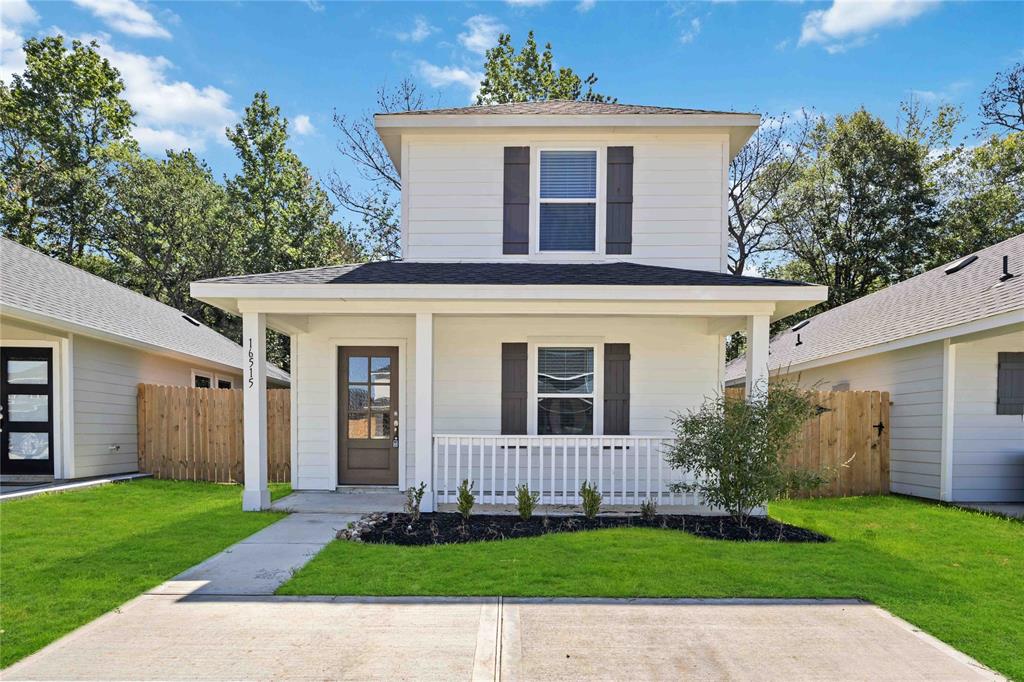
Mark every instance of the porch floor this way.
pixel 341 502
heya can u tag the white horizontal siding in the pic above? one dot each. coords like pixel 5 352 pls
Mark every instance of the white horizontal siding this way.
pixel 988 449
pixel 105 385
pixel 913 378
pixel 454 195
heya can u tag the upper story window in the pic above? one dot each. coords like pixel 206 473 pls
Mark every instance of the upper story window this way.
pixel 568 200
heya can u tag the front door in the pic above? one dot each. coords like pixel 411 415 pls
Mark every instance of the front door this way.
pixel 368 416
pixel 26 411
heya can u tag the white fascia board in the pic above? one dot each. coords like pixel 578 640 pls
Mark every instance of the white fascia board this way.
pixel 564 120
pixel 82 330
pixel 1011 320
pixel 214 291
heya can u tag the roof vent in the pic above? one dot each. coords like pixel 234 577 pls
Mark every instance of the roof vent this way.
pixel 1006 270
pixel 960 264
pixel 800 325
pixel 191 320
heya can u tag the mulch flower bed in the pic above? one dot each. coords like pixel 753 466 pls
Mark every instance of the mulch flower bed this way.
pixel 450 528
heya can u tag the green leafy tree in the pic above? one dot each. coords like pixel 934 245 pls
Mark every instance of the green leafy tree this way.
pixel 169 224
pixel 861 212
pixel 63 127
pixel 531 76
pixel 286 217
pixel 985 199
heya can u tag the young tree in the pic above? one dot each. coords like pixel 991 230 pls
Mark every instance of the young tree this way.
pixel 1002 103
pixel 530 76
pixel 65 125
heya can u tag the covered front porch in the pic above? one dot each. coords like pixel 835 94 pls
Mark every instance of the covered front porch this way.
pixel 500 374
pixel 392 401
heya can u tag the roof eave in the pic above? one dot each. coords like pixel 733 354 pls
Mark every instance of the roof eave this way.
pixel 391 127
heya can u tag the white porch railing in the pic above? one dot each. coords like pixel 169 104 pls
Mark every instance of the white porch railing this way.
pixel 626 469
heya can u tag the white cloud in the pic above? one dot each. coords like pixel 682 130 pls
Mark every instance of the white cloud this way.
pixel 440 76
pixel 125 16
pixel 850 20
pixel 526 3
pixel 303 126
pixel 170 112
pixel 946 94
pixel 15 16
pixel 689 34
pixel 481 34
pixel 420 31
pixel 584 6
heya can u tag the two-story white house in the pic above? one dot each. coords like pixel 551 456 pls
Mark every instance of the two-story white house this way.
pixel 562 292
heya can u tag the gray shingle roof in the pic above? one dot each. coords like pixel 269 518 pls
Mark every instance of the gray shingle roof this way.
pixel 929 302
pixel 38 284
pixel 558 107
pixel 472 273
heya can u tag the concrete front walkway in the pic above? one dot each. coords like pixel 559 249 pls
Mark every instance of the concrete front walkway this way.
pixel 219 637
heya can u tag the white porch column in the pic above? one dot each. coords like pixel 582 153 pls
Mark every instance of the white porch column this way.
pixel 254 398
pixel 757 355
pixel 423 446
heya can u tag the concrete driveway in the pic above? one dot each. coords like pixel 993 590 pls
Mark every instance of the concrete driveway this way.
pixel 172 637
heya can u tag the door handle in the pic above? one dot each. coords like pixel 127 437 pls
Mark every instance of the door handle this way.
pixel 394 430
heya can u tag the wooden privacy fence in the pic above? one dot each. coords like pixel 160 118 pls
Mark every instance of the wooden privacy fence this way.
pixel 849 439
pixel 195 434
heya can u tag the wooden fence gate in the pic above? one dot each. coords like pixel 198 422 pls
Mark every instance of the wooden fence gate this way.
pixel 195 434
pixel 849 439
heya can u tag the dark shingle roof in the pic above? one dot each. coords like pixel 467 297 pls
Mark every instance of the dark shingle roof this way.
pixel 37 284
pixel 558 107
pixel 928 302
pixel 474 273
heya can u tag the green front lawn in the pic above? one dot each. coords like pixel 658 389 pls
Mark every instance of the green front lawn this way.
pixel 66 558
pixel 957 574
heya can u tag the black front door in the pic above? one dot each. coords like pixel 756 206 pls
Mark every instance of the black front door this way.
pixel 368 416
pixel 26 411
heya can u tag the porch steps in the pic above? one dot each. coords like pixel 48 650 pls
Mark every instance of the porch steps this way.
pixel 342 501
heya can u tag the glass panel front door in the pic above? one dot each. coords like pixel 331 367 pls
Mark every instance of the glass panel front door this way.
pixel 26 411
pixel 368 416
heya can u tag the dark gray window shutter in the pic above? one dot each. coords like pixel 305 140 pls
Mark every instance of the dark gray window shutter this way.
pixel 513 388
pixel 517 200
pixel 619 220
pixel 616 389
pixel 1010 384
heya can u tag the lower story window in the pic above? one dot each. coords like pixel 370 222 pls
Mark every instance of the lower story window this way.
pixel 565 391
pixel 201 380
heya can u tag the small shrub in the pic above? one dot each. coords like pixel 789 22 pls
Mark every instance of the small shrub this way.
pixel 526 501
pixel 649 509
pixel 466 498
pixel 591 500
pixel 413 498
pixel 736 449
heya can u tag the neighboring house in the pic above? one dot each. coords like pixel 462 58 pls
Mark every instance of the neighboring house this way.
pixel 562 292
pixel 75 347
pixel 948 346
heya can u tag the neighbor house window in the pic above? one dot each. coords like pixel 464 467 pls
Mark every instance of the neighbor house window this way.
pixel 568 200
pixel 201 380
pixel 1010 384
pixel 224 383
pixel 565 391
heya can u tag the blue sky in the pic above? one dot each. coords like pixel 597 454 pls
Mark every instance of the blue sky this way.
pixel 191 67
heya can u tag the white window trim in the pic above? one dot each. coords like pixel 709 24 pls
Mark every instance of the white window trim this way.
pixel 534 343
pixel 535 201
pixel 205 375
pixel 219 378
